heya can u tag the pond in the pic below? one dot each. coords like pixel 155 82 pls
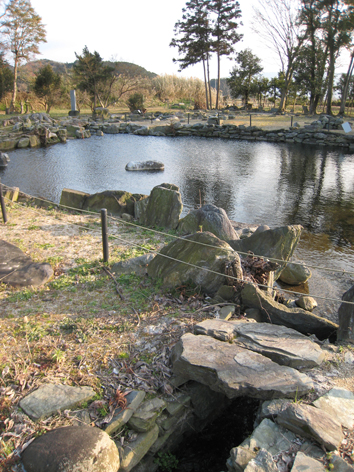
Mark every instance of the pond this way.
pixel 255 182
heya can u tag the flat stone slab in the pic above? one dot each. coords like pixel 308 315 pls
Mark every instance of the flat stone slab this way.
pixel 147 165
pixel 50 398
pixel 295 318
pixel 235 371
pixel 338 403
pixel 283 345
pixel 72 449
pixel 138 265
pixel 303 463
pixel 313 423
pixel 18 270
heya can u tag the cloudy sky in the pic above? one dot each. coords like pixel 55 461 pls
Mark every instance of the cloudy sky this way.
pixel 137 31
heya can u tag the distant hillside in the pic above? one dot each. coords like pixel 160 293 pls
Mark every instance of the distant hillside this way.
pixel 29 70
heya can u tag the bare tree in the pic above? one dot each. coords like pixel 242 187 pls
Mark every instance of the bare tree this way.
pixel 276 21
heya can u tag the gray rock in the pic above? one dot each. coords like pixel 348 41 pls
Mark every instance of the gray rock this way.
pixel 203 263
pixel 121 417
pixel 137 265
pixel 145 416
pixel 295 273
pixel 72 449
pixel 234 371
pixel 4 159
pixel 23 143
pixel 283 345
pixel 295 318
pixel 338 403
pixel 271 437
pixel 346 317
pixel 147 165
pixel 210 218
pixel 263 462
pixel 307 303
pixel 340 465
pixel 116 202
pixel 304 463
pixel 50 398
pixel 270 409
pixel 18 270
pixel 136 450
pixel 312 423
pixel 163 207
pixel 278 243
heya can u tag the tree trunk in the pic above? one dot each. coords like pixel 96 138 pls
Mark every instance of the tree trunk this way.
pixel 206 86
pixel 330 82
pixel 14 92
pixel 209 86
pixel 218 84
pixel 346 85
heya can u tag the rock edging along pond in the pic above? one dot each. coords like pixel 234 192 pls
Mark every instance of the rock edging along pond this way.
pixel 39 129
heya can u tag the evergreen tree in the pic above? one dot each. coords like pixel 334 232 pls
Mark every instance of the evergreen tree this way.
pixel 193 40
pixel 22 31
pixel 337 21
pixel 224 33
pixel 91 74
pixel 6 77
pixel 242 75
pixel 47 86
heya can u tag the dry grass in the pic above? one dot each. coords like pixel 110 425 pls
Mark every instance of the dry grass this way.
pixel 79 330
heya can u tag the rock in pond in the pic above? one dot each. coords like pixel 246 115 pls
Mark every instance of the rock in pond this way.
pixel 295 273
pixel 72 449
pixel 4 159
pixel 147 165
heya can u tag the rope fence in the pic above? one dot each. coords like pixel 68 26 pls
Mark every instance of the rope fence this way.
pixel 176 237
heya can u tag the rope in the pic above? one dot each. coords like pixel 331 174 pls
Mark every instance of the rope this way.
pixel 129 223
pixel 203 268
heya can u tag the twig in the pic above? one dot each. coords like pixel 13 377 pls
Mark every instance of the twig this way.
pixel 115 281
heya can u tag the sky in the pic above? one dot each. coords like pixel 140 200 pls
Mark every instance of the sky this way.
pixel 137 31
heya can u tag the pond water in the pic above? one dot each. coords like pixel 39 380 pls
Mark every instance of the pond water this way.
pixel 255 182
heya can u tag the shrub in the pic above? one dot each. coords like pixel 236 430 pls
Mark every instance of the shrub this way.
pixel 136 102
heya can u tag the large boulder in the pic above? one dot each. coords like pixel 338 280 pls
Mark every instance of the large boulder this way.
pixel 72 449
pixel 73 198
pixel 277 313
pixel 198 258
pixel 346 317
pixel 163 207
pixel 209 218
pixel 278 243
pixel 116 202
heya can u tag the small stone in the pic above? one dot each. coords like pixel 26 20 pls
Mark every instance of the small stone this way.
pixel 307 303
pixel 226 312
pixel 304 463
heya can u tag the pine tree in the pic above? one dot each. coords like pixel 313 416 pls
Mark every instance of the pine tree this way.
pixel 47 86
pixel 242 75
pixel 91 73
pixel 22 31
pixel 224 33
pixel 193 41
